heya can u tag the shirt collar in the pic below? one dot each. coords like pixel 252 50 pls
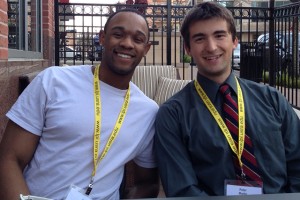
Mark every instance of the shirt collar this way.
pixel 232 83
pixel 211 88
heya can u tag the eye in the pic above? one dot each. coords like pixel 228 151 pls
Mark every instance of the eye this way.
pixel 117 34
pixel 199 39
pixel 139 40
pixel 221 36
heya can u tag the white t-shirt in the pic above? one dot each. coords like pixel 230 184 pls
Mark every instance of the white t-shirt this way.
pixel 59 106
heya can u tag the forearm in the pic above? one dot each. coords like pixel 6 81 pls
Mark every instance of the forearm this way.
pixel 16 150
pixel 142 182
pixel 141 191
pixel 12 183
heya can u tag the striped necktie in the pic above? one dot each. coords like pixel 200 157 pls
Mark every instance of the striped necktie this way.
pixel 230 111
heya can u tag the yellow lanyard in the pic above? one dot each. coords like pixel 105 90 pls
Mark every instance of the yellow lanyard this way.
pixel 221 123
pixel 97 126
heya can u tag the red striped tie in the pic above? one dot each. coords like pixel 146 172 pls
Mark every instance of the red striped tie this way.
pixel 230 110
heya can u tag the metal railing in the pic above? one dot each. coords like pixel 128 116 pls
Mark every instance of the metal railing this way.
pixel 273 60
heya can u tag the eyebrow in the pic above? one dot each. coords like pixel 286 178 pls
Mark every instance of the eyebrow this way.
pixel 215 33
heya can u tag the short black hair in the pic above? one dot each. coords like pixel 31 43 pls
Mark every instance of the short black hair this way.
pixel 205 11
pixel 127 10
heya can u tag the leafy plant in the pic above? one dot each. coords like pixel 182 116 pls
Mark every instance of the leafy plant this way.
pixel 187 58
pixel 265 76
pixel 283 80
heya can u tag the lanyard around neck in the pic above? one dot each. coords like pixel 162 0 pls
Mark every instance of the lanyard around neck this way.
pixel 221 123
pixel 97 124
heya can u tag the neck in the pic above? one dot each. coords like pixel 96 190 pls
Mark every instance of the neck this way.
pixel 217 78
pixel 117 81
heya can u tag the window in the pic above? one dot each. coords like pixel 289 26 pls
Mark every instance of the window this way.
pixel 24 28
pixel 265 4
pixel 262 4
pixel 281 3
pixel 228 3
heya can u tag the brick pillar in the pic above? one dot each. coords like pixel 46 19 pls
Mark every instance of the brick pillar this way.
pixel 3 31
pixel 48 31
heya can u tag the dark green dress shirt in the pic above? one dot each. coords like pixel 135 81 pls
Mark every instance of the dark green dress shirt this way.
pixel 194 157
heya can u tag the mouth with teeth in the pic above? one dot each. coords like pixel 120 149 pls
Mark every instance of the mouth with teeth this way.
pixel 212 57
pixel 123 55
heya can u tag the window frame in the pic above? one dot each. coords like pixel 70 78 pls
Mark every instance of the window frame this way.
pixel 23 38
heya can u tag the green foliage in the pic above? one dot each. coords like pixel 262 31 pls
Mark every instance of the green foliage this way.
pixel 265 76
pixel 187 58
pixel 283 80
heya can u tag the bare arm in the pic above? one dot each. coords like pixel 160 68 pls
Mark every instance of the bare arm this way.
pixel 16 150
pixel 146 183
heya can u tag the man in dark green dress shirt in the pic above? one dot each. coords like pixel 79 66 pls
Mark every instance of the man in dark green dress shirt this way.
pixel 194 156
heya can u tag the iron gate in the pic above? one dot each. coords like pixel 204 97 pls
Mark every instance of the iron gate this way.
pixel 77 27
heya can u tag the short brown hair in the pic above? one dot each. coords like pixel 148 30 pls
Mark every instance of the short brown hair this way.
pixel 205 11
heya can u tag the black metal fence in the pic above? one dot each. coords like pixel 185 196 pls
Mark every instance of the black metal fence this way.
pixel 269 50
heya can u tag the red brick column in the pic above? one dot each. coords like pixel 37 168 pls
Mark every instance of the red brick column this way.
pixel 48 31
pixel 3 31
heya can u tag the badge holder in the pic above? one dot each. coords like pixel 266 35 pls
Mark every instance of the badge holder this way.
pixel 30 197
pixel 242 187
pixel 76 193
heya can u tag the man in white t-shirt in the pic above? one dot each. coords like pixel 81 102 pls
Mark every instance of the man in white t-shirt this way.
pixel 74 128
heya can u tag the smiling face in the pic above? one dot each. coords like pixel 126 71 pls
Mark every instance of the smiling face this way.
pixel 211 47
pixel 125 43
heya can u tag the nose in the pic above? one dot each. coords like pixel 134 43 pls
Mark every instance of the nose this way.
pixel 211 45
pixel 127 42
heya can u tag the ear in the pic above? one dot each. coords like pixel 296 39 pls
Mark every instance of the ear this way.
pixel 147 47
pixel 235 42
pixel 101 36
pixel 187 49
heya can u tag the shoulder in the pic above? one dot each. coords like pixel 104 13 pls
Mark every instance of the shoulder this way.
pixel 181 101
pixel 258 89
pixel 183 95
pixel 139 97
pixel 63 74
pixel 257 95
pixel 57 70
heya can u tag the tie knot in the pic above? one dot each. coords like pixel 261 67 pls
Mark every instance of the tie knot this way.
pixel 224 89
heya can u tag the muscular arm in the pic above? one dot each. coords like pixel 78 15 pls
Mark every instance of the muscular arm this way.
pixel 146 183
pixel 16 150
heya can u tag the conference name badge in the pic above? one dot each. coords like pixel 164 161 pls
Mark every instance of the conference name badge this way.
pixel 76 193
pixel 240 187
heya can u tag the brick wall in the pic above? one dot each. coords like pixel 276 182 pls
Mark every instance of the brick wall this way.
pixel 10 69
pixel 3 31
pixel 48 31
